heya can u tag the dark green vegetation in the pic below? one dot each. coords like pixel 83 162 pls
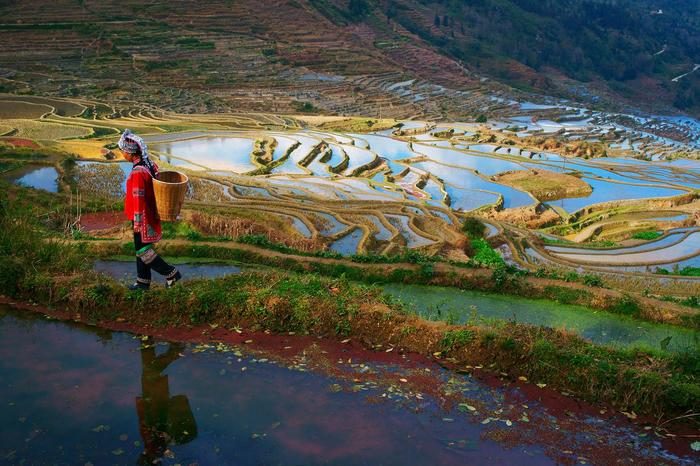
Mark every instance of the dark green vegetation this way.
pixel 616 41
pixel 647 235
pixel 473 227
pixel 56 274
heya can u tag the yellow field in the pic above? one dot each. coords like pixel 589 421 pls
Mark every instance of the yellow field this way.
pixel 90 149
pixel 42 130
pixel 11 109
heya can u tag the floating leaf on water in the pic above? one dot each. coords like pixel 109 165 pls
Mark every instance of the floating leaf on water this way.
pixel 695 446
pixel 244 368
pixel 486 421
pixel 448 419
pixel 335 388
pixel 101 428
pixel 509 423
pixel 118 452
pixel 464 406
pixel 123 437
pixel 541 385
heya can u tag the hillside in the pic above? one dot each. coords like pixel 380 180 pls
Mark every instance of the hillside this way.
pixel 631 48
pixel 398 58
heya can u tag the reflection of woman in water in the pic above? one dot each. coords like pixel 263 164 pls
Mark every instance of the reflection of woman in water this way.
pixel 163 420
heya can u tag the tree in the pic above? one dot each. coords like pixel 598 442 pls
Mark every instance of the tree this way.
pixel 358 8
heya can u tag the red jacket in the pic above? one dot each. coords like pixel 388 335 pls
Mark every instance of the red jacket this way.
pixel 140 204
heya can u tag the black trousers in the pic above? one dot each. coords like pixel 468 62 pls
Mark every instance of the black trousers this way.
pixel 147 259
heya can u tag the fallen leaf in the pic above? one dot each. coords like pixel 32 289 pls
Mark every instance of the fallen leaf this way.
pixel 541 385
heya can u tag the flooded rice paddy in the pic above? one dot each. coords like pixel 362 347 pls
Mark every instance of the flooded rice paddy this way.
pixel 384 171
pixel 76 394
pixel 37 177
pixel 462 306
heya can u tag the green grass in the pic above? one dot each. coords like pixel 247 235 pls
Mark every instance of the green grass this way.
pixel 647 235
pixel 58 274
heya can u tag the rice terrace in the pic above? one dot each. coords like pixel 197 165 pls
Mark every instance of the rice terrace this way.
pixel 383 231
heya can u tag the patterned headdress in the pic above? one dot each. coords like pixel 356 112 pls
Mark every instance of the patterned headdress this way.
pixel 133 144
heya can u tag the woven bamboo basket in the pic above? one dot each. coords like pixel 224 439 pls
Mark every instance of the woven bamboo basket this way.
pixel 170 189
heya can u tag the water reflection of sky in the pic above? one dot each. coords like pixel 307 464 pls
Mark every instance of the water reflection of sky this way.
pixel 216 153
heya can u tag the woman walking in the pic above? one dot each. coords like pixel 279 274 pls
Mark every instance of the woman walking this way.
pixel 140 208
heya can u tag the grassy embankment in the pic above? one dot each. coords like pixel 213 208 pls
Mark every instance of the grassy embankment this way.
pixel 545 185
pixel 59 274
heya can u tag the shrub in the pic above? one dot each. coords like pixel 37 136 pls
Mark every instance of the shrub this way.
pixel 592 280
pixel 485 254
pixel 473 227
pixel 626 305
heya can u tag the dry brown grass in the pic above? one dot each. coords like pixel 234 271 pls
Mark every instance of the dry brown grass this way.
pixel 235 227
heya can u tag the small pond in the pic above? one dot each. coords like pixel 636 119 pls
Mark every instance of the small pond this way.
pixel 75 394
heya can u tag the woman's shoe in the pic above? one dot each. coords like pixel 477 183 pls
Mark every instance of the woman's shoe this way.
pixel 171 281
pixel 139 286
